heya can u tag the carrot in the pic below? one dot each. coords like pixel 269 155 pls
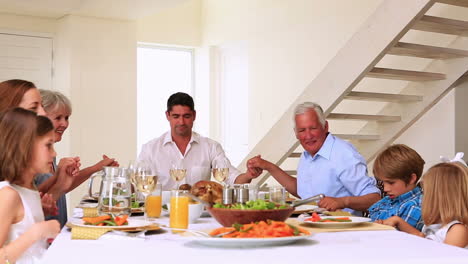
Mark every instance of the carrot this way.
pixel 121 220
pixel 261 229
pixel 95 220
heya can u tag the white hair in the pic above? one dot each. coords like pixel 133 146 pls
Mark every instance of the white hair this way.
pixel 54 100
pixel 309 106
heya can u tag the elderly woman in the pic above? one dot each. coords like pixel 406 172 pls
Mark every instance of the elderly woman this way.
pixel 58 109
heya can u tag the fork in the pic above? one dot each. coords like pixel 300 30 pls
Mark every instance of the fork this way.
pixel 197 232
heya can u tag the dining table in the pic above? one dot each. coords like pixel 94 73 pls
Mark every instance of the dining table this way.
pixel 164 246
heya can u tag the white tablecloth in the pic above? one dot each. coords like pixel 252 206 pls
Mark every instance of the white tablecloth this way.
pixel 341 247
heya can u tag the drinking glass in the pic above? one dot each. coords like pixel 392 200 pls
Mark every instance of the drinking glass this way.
pixel 178 171
pixel 221 170
pixel 277 194
pixel 153 203
pixel 179 209
pixel 145 179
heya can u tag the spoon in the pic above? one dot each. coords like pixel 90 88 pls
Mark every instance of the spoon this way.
pixel 315 198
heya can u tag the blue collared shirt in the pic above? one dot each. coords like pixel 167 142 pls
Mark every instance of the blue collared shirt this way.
pixel 407 206
pixel 336 170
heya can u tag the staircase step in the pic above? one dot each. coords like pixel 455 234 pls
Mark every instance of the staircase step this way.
pixel 462 79
pixel 462 3
pixel 291 172
pixel 425 51
pixel 382 97
pixel 442 25
pixel 405 75
pixel 357 136
pixel 381 118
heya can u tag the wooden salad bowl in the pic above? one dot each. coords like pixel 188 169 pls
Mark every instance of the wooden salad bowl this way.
pixel 228 217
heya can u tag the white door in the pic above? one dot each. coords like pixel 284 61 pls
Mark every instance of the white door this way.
pixel 26 57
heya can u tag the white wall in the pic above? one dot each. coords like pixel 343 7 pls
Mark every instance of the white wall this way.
pixel 433 135
pixel 97 68
pixel 289 42
pixel 178 25
pixel 28 23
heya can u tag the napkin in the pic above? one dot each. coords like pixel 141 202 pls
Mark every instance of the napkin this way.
pixel 337 213
pixel 90 233
pixel 370 226
pixel 90 212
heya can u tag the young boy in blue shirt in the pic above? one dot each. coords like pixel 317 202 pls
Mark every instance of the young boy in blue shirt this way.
pixel 399 167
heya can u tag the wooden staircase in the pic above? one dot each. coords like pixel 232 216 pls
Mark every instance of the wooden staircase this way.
pixel 372 129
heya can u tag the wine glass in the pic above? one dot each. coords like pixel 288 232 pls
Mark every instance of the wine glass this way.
pixel 178 171
pixel 221 170
pixel 133 167
pixel 145 179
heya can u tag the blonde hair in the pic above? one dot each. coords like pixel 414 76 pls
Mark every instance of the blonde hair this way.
pixel 399 162
pixel 445 194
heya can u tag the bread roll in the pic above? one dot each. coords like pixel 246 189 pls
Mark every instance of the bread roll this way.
pixel 208 191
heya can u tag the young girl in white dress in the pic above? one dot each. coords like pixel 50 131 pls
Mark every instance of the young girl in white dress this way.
pixel 26 149
pixel 444 205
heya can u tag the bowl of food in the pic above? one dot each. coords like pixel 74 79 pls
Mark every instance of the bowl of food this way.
pixel 250 212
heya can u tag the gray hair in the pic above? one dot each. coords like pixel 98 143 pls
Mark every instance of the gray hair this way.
pixel 54 100
pixel 309 106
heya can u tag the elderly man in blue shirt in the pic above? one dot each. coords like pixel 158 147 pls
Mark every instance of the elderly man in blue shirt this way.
pixel 328 165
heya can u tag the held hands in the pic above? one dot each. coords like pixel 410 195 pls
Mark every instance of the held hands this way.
pixel 49 205
pixel 106 162
pixel 257 164
pixel 68 168
pixel 332 203
pixel 252 171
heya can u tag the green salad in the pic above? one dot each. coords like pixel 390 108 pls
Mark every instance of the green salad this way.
pixel 252 205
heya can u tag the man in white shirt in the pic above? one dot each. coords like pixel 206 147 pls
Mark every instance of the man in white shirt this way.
pixel 198 154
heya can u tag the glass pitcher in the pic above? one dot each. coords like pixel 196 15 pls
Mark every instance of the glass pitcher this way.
pixel 115 192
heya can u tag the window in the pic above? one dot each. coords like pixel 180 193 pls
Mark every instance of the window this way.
pixel 161 71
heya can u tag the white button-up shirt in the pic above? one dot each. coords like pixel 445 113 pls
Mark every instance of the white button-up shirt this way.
pixel 198 159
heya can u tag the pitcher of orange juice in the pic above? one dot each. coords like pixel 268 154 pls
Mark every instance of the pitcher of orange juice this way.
pixel 178 217
pixel 154 203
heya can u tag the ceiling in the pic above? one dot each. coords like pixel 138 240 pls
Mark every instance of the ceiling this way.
pixel 118 9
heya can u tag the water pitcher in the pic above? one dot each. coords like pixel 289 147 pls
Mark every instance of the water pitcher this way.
pixel 115 192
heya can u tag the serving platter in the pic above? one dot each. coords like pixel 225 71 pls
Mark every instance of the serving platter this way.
pixel 248 242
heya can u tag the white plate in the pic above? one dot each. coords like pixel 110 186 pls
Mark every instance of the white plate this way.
pixel 248 242
pixel 355 220
pixel 132 223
